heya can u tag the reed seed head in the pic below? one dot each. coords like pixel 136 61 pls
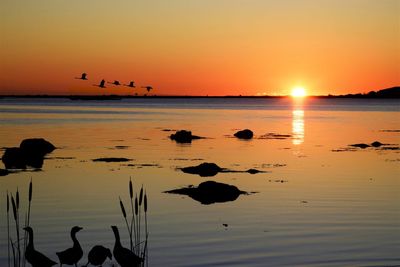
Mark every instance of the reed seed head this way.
pixel 145 202
pixel 8 203
pixel 14 208
pixel 17 199
pixel 30 191
pixel 136 206
pixel 130 188
pixel 141 196
pixel 122 207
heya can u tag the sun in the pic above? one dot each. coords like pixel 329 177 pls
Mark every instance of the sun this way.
pixel 298 92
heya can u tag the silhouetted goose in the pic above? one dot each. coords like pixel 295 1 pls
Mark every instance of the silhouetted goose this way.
pixel 124 256
pixel 83 77
pixel 71 256
pixel 97 255
pixel 131 84
pixel 101 84
pixel 115 82
pixel 148 88
pixel 35 258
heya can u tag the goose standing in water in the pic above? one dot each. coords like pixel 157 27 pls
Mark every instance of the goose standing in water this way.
pixel 97 256
pixel 101 84
pixel 35 258
pixel 71 256
pixel 83 77
pixel 131 84
pixel 124 256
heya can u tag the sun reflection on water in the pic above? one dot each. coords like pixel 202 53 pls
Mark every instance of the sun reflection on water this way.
pixel 298 126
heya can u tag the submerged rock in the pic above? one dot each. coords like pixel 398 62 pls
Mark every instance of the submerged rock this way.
pixel 184 136
pixel 376 144
pixel 4 172
pixel 210 192
pixel 360 145
pixel 111 160
pixel 31 152
pixel 244 134
pixel 204 169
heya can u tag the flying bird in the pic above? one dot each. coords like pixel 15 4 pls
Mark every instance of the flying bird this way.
pixel 71 255
pixel 115 82
pixel 34 257
pixel 101 85
pixel 148 88
pixel 83 77
pixel 131 84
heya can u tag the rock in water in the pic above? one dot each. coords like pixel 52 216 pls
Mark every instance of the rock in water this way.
pixel 210 192
pixel 183 136
pixel 204 169
pixel 244 134
pixel 30 153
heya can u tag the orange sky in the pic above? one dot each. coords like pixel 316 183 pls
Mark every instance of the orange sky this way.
pixel 208 47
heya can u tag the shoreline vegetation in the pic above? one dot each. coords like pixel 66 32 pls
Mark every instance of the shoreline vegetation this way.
pixel 393 92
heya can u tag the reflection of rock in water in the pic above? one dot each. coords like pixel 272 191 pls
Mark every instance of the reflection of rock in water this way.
pixel 210 192
pixel 211 169
pixel 111 160
pixel 30 153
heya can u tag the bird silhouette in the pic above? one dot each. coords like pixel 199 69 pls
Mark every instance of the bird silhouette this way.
pixel 97 255
pixel 72 255
pixel 124 256
pixel 131 84
pixel 101 84
pixel 83 77
pixel 115 82
pixel 148 88
pixel 34 257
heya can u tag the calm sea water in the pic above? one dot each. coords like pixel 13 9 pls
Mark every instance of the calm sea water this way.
pixel 333 208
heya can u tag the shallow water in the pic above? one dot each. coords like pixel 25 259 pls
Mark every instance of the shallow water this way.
pixel 333 208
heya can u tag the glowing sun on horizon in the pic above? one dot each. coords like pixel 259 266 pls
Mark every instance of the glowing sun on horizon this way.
pixel 298 92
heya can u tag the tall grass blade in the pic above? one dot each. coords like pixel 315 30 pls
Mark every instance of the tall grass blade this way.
pixel 8 229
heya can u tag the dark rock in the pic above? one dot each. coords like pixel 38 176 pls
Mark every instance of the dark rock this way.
pixel 30 153
pixel 111 160
pixel 204 169
pixel 36 146
pixel 360 145
pixel 376 144
pixel 183 136
pixel 254 171
pixel 210 192
pixel 4 172
pixel 244 134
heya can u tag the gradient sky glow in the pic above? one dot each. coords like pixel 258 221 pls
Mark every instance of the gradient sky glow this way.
pixel 204 47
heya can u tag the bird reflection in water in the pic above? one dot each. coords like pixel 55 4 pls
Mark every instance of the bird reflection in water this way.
pixel 298 126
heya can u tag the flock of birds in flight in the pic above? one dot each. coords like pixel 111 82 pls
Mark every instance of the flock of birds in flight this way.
pixel 116 83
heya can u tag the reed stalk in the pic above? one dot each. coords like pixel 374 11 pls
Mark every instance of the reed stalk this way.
pixel 140 204
pixel 8 229
pixel 145 225
pixel 13 252
pixel 18 234
pixel 133 224
pixel 126 220
pixel 27 220
pixel 137 222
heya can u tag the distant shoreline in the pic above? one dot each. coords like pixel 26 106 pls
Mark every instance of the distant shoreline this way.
pixel 389 93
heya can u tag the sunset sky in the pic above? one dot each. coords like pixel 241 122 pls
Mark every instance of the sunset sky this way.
pixel 205 47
